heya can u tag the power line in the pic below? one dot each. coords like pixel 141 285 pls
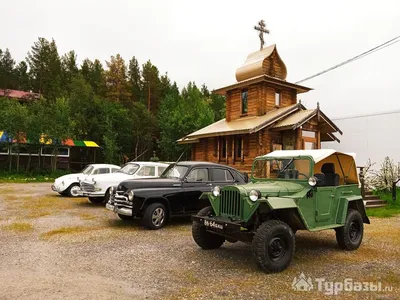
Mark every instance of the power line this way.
pixel 366 53
pixel 390 112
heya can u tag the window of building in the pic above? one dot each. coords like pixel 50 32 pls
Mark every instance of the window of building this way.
pixel 238 146
pixel 147 171
pixel 48 151
pixel 310 134
pixel 222 175
pixel 244 101
pixel 277 98
pixel 25 150
pixel 198 175
pixel 222 148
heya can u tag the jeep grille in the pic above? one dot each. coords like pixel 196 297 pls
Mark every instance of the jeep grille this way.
pixel 230 203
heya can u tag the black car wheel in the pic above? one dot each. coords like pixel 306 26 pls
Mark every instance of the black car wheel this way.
pixel 273 246
pixel 154 216
pixel 96 200
pixel 74 190
pixel 202 237
pixel 349 237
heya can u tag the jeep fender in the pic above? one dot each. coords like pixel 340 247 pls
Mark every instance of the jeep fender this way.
pixel 354 202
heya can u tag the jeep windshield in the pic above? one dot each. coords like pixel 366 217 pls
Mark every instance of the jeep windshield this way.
pixel 174 171
pixel 282 168
pixel 129 169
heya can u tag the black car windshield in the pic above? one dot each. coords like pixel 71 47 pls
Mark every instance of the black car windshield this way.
pixel 129 169
pixel 174 171
pixel 88 170
pixel 282 168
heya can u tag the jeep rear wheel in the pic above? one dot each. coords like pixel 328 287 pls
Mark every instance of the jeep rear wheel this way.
pixel 154 216
pixel 349 237
pixel 202 237
pixel 273 246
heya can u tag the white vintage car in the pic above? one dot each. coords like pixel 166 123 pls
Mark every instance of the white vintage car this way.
pixel 97 187
pixel 68 185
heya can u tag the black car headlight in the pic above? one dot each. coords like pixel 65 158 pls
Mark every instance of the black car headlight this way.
pixel 131 195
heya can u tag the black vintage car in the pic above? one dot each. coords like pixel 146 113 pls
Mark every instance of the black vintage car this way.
pixel 176 193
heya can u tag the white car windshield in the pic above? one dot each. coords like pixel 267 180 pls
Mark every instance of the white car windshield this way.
pixel 129 169
pixel 174 171
pixel 88 170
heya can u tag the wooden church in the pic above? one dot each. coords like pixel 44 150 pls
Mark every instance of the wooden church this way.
pixel 262 115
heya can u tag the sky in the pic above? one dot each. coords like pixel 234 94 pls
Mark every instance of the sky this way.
pixel 206 41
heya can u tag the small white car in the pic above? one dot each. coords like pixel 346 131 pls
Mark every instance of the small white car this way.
pixel 68 185
pixel 97 187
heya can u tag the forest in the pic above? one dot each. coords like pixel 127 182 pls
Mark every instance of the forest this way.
pixel 127 108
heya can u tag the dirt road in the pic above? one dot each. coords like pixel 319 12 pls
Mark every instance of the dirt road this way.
pixel 60 248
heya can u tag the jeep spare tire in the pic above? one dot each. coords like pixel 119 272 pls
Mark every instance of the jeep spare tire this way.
pixel 273 246
pixel 202 237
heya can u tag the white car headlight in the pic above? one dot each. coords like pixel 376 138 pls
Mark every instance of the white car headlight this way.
pixel 216 191
pixel 130 195
pixel 254 195
pixel 312 181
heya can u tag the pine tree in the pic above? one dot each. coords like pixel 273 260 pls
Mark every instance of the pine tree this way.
pixel 7 63
pixel 135 80
pixel 22 77
pixel 151 87
pixel 69 67
pixel 93 73
pixel 116 80
pixel 45 68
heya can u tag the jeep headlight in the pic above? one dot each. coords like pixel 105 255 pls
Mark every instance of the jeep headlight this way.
pixel 130 195
pixel 312 181
pixel 216 191
pixel 254 195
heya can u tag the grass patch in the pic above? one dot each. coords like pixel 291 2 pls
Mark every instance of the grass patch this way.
pixel 32 176
pixel 390 210
pixel 86 216
pixel 68 231
pixel 19 227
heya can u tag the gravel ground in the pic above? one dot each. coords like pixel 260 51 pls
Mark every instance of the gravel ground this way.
pixel 60 248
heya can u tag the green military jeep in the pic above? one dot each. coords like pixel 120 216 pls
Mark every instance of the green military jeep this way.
pixel 290 190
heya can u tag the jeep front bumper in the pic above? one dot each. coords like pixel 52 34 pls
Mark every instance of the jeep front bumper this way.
pixel 218 225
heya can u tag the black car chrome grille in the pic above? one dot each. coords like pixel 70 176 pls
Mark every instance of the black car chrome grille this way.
pixel 230 203
pixel 87 187
pixel 121 200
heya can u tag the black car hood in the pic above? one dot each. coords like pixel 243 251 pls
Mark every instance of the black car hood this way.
pixel 148 183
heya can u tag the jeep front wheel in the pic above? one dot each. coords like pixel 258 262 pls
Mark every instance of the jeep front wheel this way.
pixel 349 236
pixel 273 246
pixel 202 237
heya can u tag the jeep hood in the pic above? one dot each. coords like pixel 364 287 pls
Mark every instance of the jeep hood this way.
pixel 273 188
